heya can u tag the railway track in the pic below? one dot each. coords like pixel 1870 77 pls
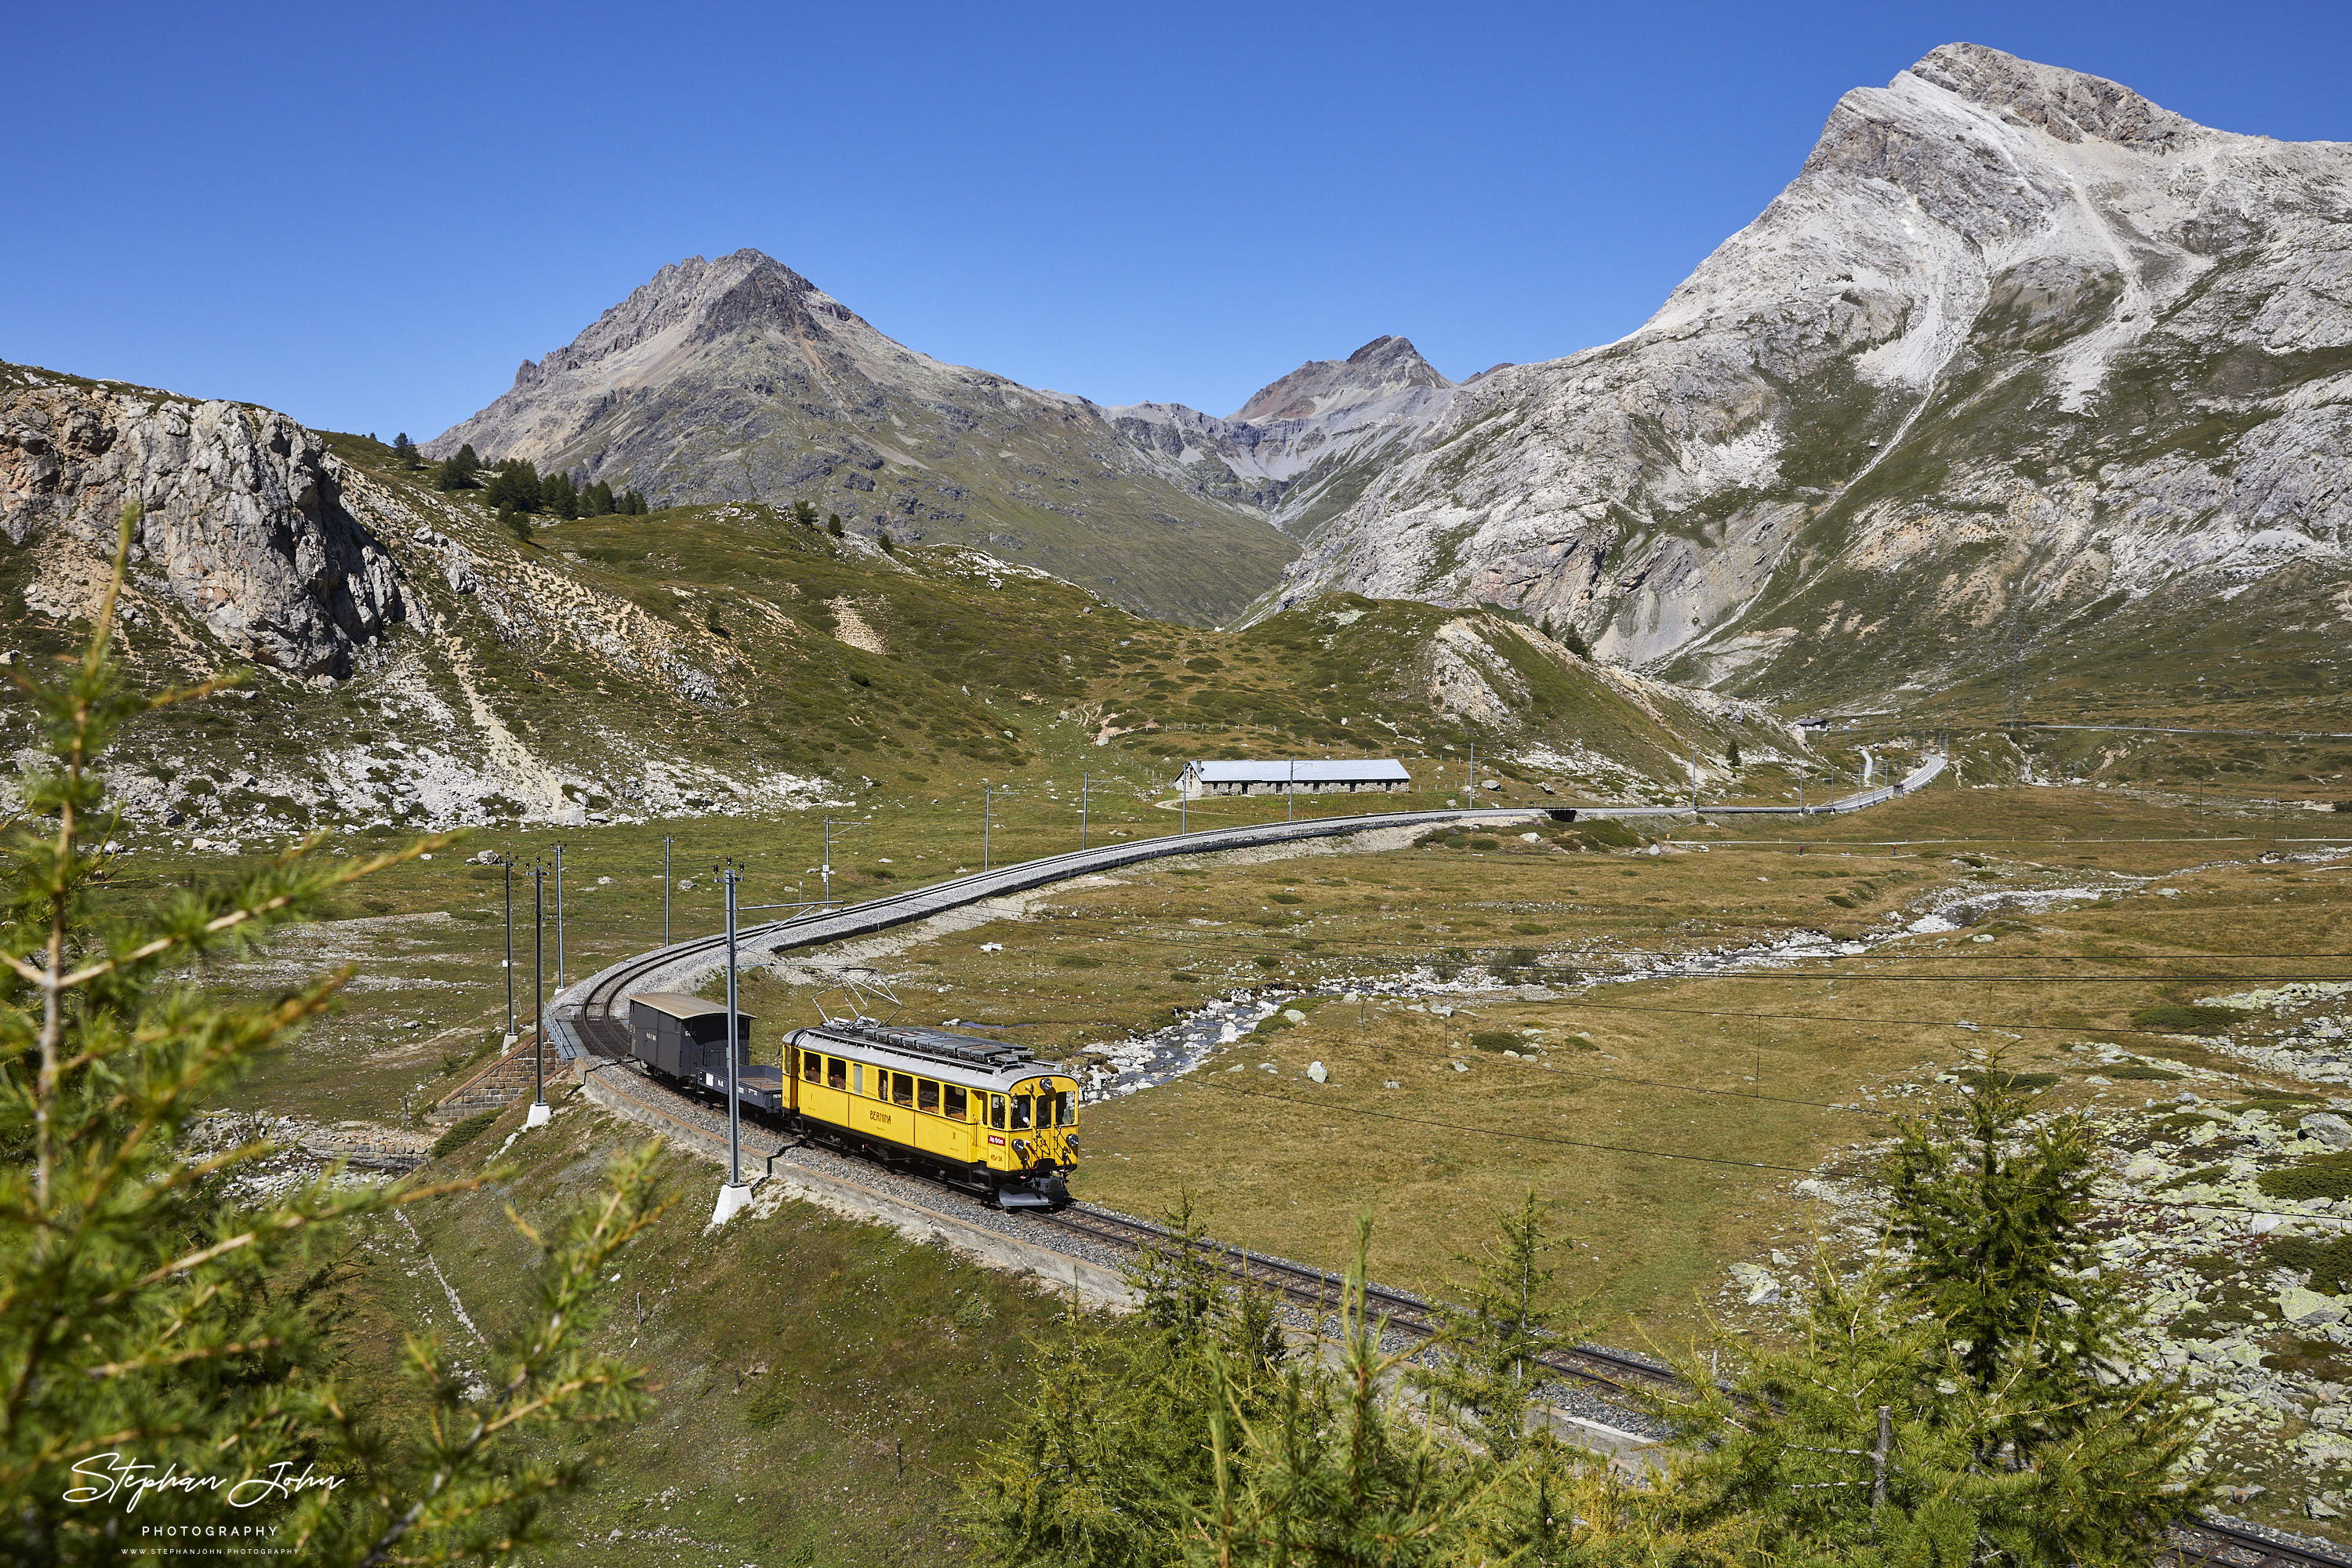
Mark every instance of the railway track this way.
pixel 591 1001
pixel 591 1007
pixel 1315 1288
pixel 2209 1541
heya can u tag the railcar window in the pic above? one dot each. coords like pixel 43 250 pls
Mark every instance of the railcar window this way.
pixel 926 1096
pixel 902 1088
pixel 997 1111
pixel 958 1103
pixel 812 1066
pixel 857 1078
pixel 836 1073
pixel 1066 1106
pixel 1020 1113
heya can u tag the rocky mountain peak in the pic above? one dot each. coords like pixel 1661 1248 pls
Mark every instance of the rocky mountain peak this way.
pixel 2015 346
pixel 1382 368
pixel 738 379
pixel 697 302
pixel 2070 105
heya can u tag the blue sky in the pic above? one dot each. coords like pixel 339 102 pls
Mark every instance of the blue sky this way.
pixel 368 216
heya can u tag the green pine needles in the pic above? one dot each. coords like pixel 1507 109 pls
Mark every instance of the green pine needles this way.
pixel 153 1312
pixel 1962 1399
pixel 2018 1430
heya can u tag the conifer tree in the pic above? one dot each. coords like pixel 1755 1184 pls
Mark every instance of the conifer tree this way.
pixel 600 500
pixel 515 485
pixel 1486 1381
pixel 2019 1431
pixel 150 1312
pixel 405 449
pixel 1106 1469
pixel 558 496
pixel 1192 1435
pixel 1995 1220
pixel 1327 1467
pixel 1731 757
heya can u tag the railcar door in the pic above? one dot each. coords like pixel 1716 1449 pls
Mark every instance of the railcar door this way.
pixel 887 1111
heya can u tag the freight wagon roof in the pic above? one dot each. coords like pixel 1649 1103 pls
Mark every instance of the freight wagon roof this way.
pixel 1381 770
pixel 678 1004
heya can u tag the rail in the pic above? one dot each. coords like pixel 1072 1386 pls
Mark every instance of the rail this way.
pixel 2226 1543
pixel 586 1008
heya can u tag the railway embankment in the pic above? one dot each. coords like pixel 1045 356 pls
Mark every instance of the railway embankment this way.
pixel 781 1168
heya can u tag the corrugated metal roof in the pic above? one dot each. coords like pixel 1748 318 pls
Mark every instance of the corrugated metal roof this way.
pixel 678 1004
pixel 1371 769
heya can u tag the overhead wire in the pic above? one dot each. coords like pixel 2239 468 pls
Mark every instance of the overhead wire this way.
pixel 1221 943
pixel 1971 1024
pixel 1699 1159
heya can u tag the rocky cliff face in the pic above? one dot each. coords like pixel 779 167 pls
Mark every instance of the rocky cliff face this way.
pixel 739 380
pixel 242 525
pixel 2015 351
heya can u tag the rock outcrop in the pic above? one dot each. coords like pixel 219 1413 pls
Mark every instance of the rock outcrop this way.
pixel 2016 348
pixel 241 518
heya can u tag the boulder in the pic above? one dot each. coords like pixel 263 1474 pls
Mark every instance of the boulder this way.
pixel 1757 1282
pixel 2325 1127
pixel 2308 1307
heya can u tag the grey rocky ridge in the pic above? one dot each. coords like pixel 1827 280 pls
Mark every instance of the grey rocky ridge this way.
pixel 1303 448
pixel 738 379
pixel 374 614
pixel 2018 355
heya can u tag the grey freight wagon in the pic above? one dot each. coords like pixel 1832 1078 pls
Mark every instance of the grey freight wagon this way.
pixel 684 1038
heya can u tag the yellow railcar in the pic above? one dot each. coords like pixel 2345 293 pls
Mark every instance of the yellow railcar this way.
pixel 984 1114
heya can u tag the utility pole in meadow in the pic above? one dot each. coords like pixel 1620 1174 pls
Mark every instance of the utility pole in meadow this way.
pixel 539 1111
pixel 559 917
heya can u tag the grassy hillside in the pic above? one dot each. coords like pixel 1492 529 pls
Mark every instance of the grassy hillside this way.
pixel 728 658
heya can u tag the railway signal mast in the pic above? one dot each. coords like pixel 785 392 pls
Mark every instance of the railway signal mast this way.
pixel 737 1193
